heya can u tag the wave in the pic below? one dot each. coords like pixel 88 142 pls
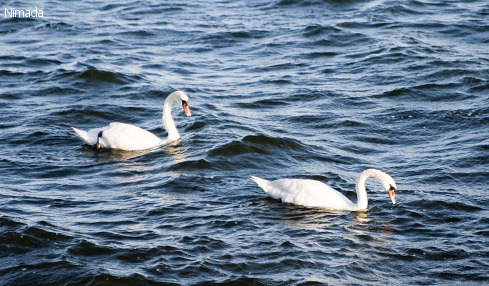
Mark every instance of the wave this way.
pixel 15 24
pixel 45 70
pixel 260 144
pixel 308 3
pixel 94 74
pixel 24 238
pixel 56 26
pixel 226 38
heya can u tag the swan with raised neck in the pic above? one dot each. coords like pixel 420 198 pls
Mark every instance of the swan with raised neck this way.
pixel 129 137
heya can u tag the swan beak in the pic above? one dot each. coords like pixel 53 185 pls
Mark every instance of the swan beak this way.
pixel 186 109
pixel 392 195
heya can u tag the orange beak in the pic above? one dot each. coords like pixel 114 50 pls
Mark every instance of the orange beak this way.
pixel 392 195
pixel 186 109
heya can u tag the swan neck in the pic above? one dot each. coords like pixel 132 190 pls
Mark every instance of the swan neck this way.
pixel 362 199
pixel 382 177
pixel 167 118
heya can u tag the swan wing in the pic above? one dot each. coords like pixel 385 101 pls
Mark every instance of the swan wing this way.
pixel 309 193
pixel 127 137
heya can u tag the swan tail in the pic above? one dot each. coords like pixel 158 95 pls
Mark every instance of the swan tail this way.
pixel 83 135
pixel 262 183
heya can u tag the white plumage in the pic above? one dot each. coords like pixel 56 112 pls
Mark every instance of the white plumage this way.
pixel 313 193
pixel 128 137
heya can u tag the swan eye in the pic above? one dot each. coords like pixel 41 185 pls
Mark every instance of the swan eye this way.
pixel 184 102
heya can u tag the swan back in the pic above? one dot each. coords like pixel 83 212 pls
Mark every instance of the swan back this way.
pixel 124 136
pixel 308 193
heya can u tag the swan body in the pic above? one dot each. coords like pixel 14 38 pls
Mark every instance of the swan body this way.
pixel 313 193
pixel 128 137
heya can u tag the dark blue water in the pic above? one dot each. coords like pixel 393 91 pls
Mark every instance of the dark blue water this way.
pixel 298 89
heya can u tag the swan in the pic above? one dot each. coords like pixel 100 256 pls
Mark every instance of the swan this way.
pixel 313 193
pixel 128 137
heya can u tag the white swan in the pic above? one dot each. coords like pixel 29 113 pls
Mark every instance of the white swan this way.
pixel 313 193
pixel 131 138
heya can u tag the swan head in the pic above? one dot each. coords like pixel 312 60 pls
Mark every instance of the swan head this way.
pixel 390 187
pixel 183 98
pixel 387 182
pixel 392 194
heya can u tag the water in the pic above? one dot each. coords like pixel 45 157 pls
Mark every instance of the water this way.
pixel 298 89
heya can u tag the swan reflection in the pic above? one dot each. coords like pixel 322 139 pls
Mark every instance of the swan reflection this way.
pixel 140 166
pixel 176 153
pixel 362 224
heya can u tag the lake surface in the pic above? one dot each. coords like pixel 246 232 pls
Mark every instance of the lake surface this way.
pixel 278 89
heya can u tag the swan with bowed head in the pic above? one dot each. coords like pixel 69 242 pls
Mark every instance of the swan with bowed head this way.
pixel 313 193
pixel 128 137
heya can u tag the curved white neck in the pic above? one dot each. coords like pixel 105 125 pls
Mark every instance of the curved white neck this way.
pixel 362 200
pixel 168 122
